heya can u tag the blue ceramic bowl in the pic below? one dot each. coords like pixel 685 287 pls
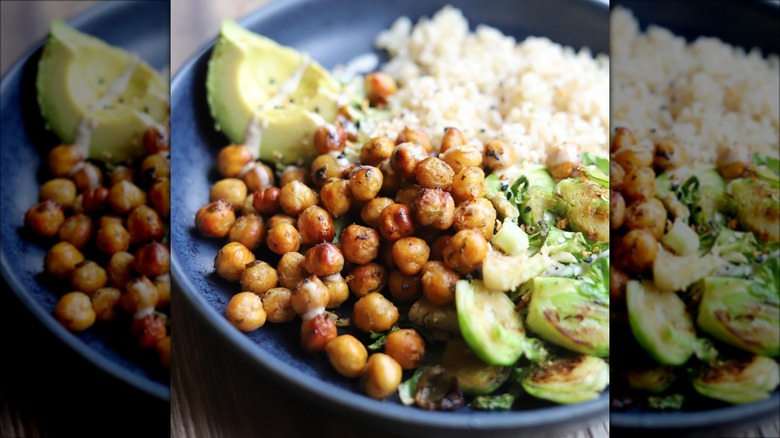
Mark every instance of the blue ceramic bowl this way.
pixel 333 32
pixel 141 27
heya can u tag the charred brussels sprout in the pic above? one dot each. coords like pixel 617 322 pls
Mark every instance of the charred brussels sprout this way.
pixel 739 381
pixel 586 206
pixel 533 192
pixel 757 204
pixel 474 376
pixel 568 380
pixel 655 380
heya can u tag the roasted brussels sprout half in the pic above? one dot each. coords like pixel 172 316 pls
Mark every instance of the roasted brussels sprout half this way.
pixel 568 380
pixel 586 206
pixel 654 380
pixel 533 193
pixel 474 376
pixel 739 381
pixel 504 273
pixel 758 207
pixel 675 273
pixel 681 239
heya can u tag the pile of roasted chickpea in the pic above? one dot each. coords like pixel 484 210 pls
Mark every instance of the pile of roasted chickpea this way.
pixel 110 228
pixel 419 222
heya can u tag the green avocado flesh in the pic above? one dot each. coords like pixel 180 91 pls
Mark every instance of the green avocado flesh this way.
pixel 121 96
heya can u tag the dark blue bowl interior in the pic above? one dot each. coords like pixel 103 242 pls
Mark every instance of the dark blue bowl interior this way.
pixel 334 32
pixel 141 27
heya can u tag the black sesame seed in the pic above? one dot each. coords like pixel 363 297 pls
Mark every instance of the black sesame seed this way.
pixel 508 196
pixel 504 187
pixel 527 209
pixel 587 259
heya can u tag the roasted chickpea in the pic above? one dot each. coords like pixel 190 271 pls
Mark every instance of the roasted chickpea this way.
pixel 88 277
pixel 461 157
pixel 365 183
pixel 406 157
pixel 120 269
pixel 434 208
pixel 465 251
pixel 338 290
pixel 232 160
pixel 249 230
pixel 359 244
pixel 163 349
pixel 616 176
pixel 163 285
pixel 733 161
pixel 215 219
pixel 382 375
pixel 336 197
pixel 125 197
pixel 105 303
pixel 148 330
pixel 152 259
pixel 347 355
pixel 469 184
pixel 498 155
pixel 315 226
pixel 266 201
pixel 407 347
pixel 637 250
pixel 364 279
pixel 296 197
pixel 617 209
pixel 95 200
pixel 410 254
pixel 232 260
pixel 74 311
pixel 563 160
pixel 617 284
pixel 283 238
pixel 478 214
pixel 245 311
pixel 669 155
pixel 639 184
pixel 649 214
pixel 155 140
pixel 62 259
pixel 623 137
pixel 232 190
pixel 160 196
pixel 379 87
pixel 257 176
pixel 45 219
pixel 376 150
pixel 411 135
pixel 59 190
pixel 396 222
pixel 316 332
pixel 145 225
pixel 310 297
pixel 155 166
pixel 437 248
pixel 140 294
pixel 258 277
pixel 391 179
pixel 632 157
pixel 452 138
pixel 292 173
pixel 87 176
pixel 77 230
pixel 374 313
pixel 281 218
pixel 407 194
pixel 323 168
pixel 404 288
pixel 119 174
pixel 248 208
pixel 438 283
pixel 330 138
pixel 277 305
pixel 371 213
pixel 291 270
pixel 434 173
pixel 63 158
pixel 324 259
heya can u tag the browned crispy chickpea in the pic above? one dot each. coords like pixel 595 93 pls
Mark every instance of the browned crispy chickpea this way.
pixel 87 176
pixel 396 222
pixel 338 290
pixel 277 305
pixel 232 190
pixel 438 283
pixel 266 201
pixel 437 247
pixel 365 183
pixel 498 155
pixel 406 157
pixel 292 173
pixel 617 283
pixel 733 161
pixel 359 244
pixel 411 135
pixel 632 157
pixel 330 138
pixel 281 218
pixel 461 157
pixel 317 332
pixel 410 254
pixel 407 347
pixel 478 214
pixel 152 259
pixel 74 311
pixel 407 194
pixel 249 230
pixel 45 219
pixel 291 270
pixel 637 250
pixel 323 260
pixel 145 225
pixel 120 173
pixel 259 277
pixel 63 158
pixel 248 208
pixel 296 197
pixel 160 196
pixel 336 197
pixel 232 260
pixel 382 376
pixel 371 213
pixel 433 173
pixel 155 140
pixel 232 159
pixel 623 137
pixel 283 238
pixel 347 355
pixel 639 184
pixel 105 303
pixel 215 219
pixel 108 219
pixel 452 138
pixel 309 297
pixel 163 285
pixel 376 150
pixel 315 226
pixel 257 177
pixel 392 180
pixel 88 277
pixel 364 279
pixel 323 168
pixel 95 200
pixel 616 175
pixel 379 87
pixel 649 214
pixel 374 313
pixel 469 184
pixel 120 269
pixel 77 230
pixel 140 294
pixel 148 330
pixel 156 166
pixel 465 251
pixel 617 209
pixel 404 288
pixel 669 155
pixel 563 160
pixel 59 190
pixel 125 197
pixel 245 311
pixel 61 260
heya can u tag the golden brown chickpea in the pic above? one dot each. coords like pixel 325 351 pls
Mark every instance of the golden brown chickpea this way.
pixel 391 179
pixel 45 219
pixel 281 218
pixel 249 230
pixel 59 190
pixel 323 168
pixel 336 197
pixel 62 259
pixel 257 177
pixel 364 279
pixel 163 285
pixel 616 175
pixel 155 140
pixel 309 297
pixel 296 197
pixel 465 251
pixel 478 214
pixel 74 311
pixel 498 155
pixel 232 260
pixel 245 311
pixel 623 137
pixel 323 260
pixel 632 157
pixel 617 284
pixel 152 259
pixel 87 176
pixel 95 200
pixel 215 219
pixel 365 183
pixel 120 269
pixel 438 283
pixel 291 270
pixel 359 244
pixel 125 197
pixel 259 277
pixel 266 201
pixel 338 290
pixel 407 347
pixel 283 238
pixel 105 303
pixel 461 157
pixel 148 330
pixel 76 230
pixel 119 174
pixel 669 155
pixel 372 211
pixel 617 209
pixel 293 173
pixel 63 158
pixel 404 288
pixel 277 305
pixel 155 166
pixel 396 222
pixel 410 135
pixel 563 160
pixel 649 214
pixel 406 157
pixel 140 294
pixel 637 250
pixel 376 150
pixel 347 355
pixel 410 254
pixel 232 190
pixel 145 225
pixel 88 277
pixel 733 162
pixel 232 159
pixel 379 87
pixel 469 184
pixel 639 184
pixel 407 194
pixel 330 138
pixel 433 173
pixel 374 313
pixel 315 226
pixel 163 349
pixel 317 332
pixel 108 219
pixel 437 248
pixel 160 196
pixel 382 376
pixel 452 138
pixel 248 208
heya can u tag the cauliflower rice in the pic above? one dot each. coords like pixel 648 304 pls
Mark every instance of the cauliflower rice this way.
pixel 534 95
pixel 707 95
